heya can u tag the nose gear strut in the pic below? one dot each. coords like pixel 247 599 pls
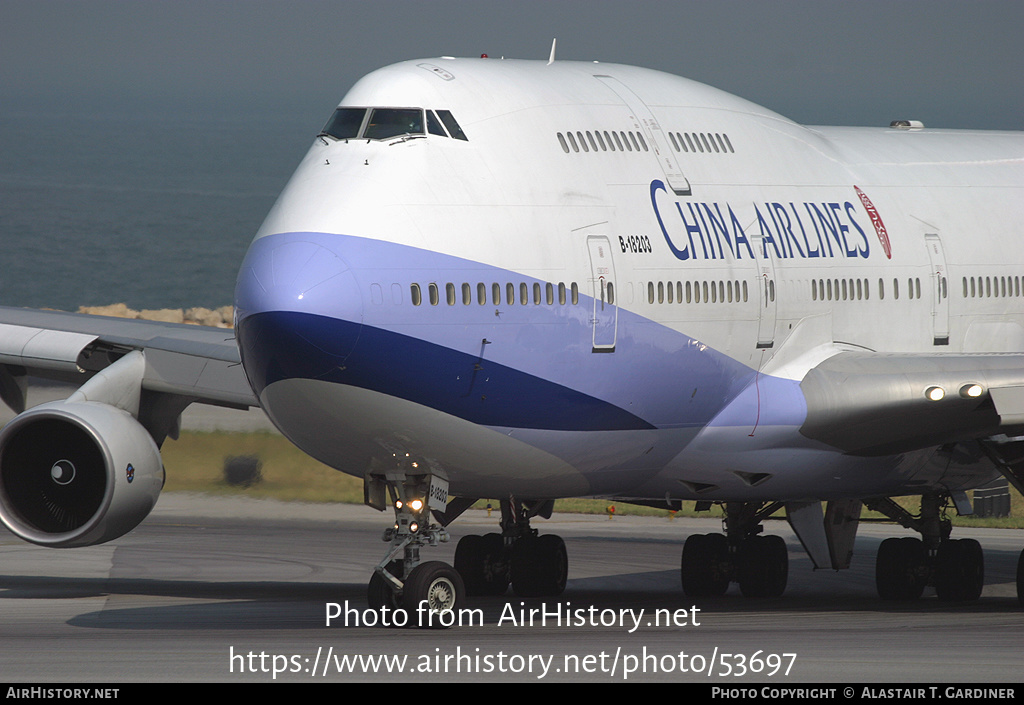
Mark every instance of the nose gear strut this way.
pixel 428 592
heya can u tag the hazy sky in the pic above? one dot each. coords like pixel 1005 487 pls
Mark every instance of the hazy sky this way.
pixel 951 64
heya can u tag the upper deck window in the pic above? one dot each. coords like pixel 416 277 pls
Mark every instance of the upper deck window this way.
pixel 345 123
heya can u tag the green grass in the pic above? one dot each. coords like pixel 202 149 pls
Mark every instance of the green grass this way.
pixel 195 463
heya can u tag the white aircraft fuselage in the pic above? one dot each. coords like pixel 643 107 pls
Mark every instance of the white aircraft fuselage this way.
pixel 607 280
pixel 523 281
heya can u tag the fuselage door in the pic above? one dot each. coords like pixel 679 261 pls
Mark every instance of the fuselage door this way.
pixel 940 289
pixel 655 135
pixel 602 272
pixel 767 295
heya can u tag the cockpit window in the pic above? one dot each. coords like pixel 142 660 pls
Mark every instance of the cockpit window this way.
pixel 345 123
pixel 386 123
pixel 393 122
pixel 434 125
pixel 453 127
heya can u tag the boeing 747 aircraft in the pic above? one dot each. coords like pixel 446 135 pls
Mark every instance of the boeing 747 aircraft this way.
pixel 526 280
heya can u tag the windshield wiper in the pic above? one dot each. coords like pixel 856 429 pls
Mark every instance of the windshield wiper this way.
pixel 406 137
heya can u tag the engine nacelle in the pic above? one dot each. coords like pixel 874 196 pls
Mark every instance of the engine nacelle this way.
pixel 76 474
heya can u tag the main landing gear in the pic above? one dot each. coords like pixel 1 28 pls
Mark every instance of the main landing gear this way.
pixel 760 564
pixel 905 566
pixel 536 566
pixel 428 592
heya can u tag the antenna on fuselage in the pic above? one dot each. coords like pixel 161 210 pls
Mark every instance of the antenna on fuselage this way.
pixel 551 59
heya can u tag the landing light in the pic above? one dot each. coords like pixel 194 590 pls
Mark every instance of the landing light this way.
pixel 935 393
pixel 416 505
pixel 971 391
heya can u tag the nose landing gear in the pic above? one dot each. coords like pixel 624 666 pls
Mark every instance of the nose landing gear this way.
pixel 428 592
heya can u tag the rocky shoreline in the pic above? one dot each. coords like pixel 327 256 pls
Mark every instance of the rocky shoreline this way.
pixel 223 317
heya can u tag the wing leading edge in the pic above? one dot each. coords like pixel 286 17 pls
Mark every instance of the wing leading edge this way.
pixel 190 363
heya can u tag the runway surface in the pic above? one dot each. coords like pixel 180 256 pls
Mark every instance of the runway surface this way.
pixel 232 590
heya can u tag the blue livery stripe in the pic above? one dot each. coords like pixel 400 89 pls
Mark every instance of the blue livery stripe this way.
pixel 280 345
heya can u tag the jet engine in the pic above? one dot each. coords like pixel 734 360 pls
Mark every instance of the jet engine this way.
pixel 76 474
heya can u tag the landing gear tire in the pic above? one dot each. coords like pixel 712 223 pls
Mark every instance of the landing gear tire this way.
pixel 704 565
pixel 540 566
pixel 481 562
pixel 1020 579
pixel 960 570
pixel 763 566
pixel 432 593
pixel 901 569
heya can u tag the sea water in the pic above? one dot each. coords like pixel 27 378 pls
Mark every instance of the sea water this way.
pixel 155 210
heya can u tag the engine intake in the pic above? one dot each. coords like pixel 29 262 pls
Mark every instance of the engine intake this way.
pixel 76 474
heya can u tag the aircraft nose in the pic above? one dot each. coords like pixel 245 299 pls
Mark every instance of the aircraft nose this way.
pixel 298 309
pixel 297 274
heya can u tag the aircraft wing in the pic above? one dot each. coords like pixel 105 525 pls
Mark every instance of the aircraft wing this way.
pixel 182 362
pixel 879 404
